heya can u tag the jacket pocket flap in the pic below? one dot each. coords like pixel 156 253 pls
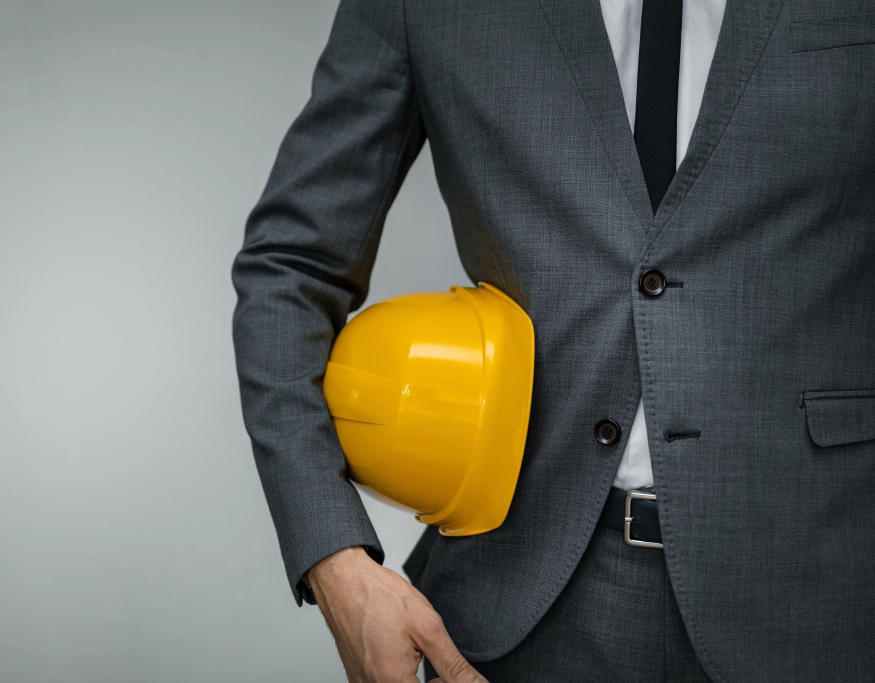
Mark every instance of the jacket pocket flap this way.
pixel 855 29
pixel 840 417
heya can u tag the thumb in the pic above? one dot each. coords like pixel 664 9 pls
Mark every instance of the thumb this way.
pixel 444 656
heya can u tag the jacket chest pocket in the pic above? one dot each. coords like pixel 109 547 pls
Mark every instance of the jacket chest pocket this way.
pixel 839 417
pixel 822 34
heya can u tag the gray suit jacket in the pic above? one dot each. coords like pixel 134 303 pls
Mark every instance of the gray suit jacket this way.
pixel 765 345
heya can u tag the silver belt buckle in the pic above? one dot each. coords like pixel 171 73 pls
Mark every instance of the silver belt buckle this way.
pixel 627 525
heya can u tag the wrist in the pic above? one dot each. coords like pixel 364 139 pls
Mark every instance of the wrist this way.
pixel 334 565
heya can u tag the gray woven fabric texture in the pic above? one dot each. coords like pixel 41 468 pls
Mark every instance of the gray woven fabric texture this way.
pixel 616 620
pixel 769 224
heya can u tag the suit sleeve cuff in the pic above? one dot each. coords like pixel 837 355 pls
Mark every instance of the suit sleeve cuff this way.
pixel 297 577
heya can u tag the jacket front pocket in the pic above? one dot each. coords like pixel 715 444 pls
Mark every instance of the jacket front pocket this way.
pixel 840 417
pixel 821 34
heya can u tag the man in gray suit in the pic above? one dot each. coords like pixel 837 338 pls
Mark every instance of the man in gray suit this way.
pixel 688 217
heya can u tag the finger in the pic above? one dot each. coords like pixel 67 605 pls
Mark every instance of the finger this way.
pixel 444 656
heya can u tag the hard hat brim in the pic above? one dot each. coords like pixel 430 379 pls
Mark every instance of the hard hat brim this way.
pixel 484 496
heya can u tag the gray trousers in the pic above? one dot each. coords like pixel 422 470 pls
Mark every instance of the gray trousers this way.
pixel 617 620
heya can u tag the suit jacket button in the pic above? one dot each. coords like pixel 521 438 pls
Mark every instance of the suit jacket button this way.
pixel 652 283
pixel 608 432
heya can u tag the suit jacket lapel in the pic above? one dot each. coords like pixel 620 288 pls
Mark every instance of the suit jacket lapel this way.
pixel 747 26
pixel 579 28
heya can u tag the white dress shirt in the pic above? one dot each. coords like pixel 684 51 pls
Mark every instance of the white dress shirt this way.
pixel 699 30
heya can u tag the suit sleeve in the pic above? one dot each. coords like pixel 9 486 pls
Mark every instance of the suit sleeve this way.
pixel 309 248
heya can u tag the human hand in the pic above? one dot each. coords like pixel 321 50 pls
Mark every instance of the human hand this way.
pixel 381 624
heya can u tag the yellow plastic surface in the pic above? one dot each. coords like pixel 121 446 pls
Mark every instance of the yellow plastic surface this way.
pixel 430 394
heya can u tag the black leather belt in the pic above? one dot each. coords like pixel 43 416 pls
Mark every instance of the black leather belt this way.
pixel 634 514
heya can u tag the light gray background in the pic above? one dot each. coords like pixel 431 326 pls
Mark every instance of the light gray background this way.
pixel 135 542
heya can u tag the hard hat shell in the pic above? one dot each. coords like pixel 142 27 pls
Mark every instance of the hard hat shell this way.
pixel 430 394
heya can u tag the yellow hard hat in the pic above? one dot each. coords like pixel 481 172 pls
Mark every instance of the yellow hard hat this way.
pixel 430 396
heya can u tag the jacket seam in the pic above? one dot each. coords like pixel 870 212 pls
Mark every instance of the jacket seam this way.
pixel 372 223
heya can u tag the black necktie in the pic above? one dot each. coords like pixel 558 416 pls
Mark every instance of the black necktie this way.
pixel 656 105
